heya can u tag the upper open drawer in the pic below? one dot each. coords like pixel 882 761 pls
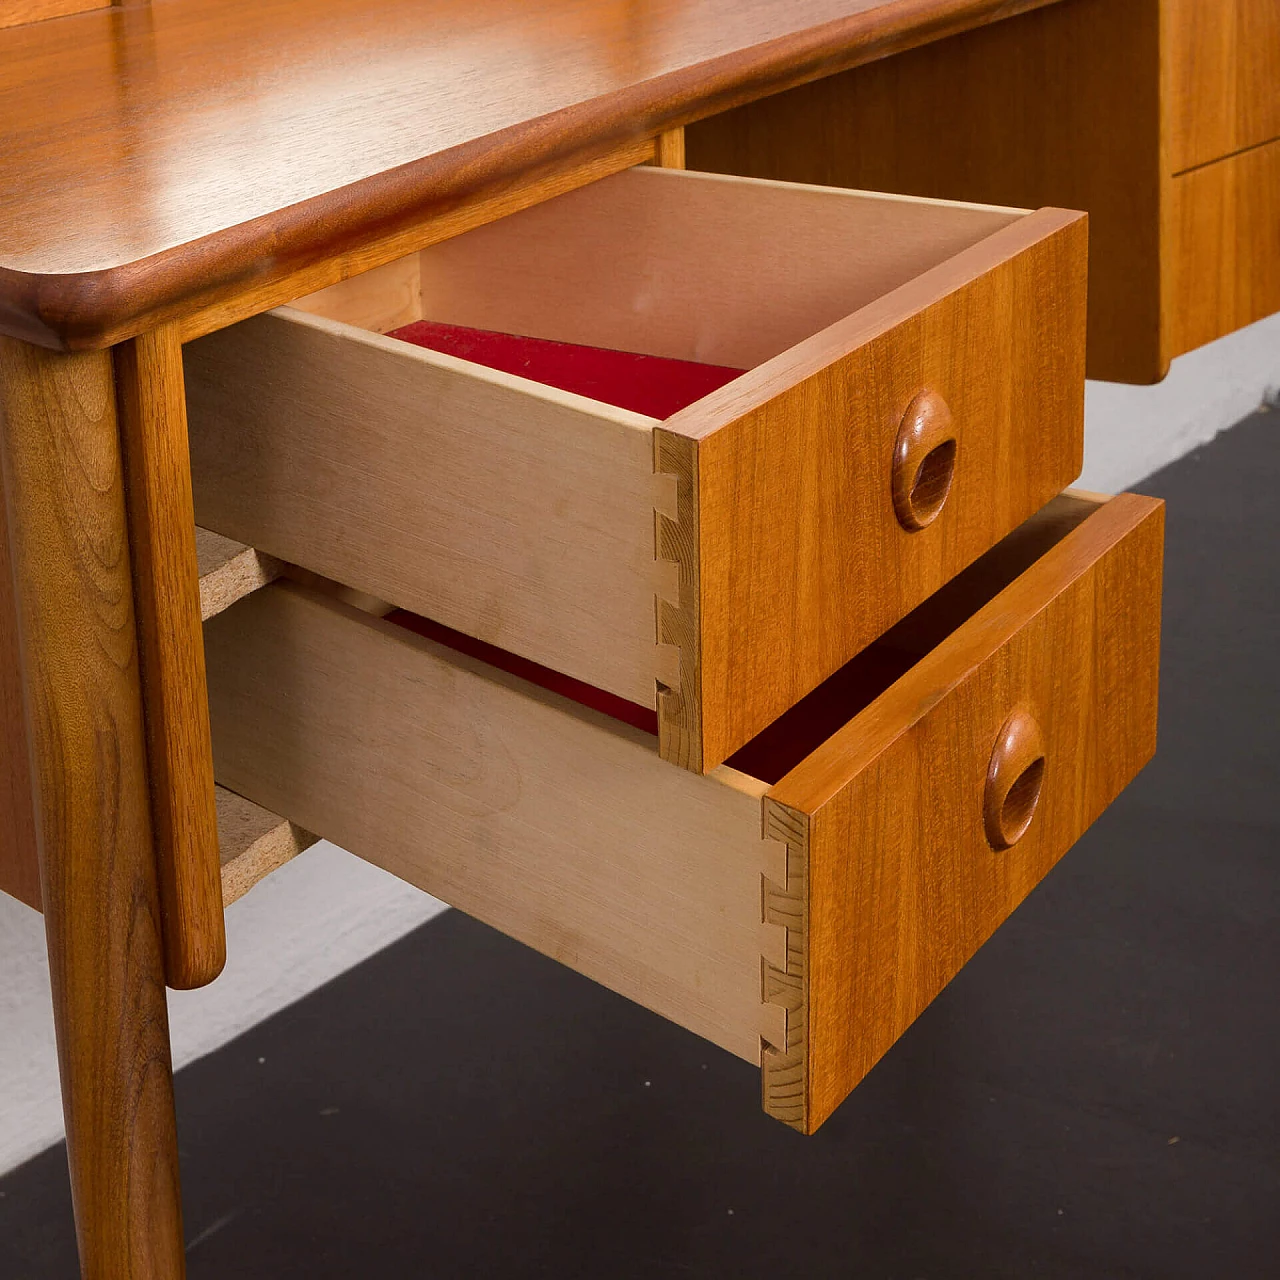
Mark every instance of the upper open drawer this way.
pixel 912 389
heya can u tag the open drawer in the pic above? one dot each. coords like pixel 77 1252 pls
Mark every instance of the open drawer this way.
pixel 798 907
pixel 913 389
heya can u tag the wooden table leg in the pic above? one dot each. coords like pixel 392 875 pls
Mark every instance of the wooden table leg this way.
pixel 60 448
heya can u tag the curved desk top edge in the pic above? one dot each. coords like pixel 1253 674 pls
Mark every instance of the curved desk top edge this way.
pixel 88 309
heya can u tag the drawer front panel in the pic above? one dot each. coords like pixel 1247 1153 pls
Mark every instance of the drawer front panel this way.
pixel 1224 231
pixel 805 557
pixel 1224 78
pixel 893 817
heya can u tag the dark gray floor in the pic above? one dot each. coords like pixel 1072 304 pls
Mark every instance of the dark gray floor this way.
pixel 1096 1095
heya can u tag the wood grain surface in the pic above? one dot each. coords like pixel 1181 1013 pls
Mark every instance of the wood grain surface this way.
pixel 555 824
pixel 803 559
pixel 164 157
pixel 1223 232
pixel 19 862
pixel 692 266
pixel 1223 78
pixel 65 498
pixel 14 13
pixel 153 422
pixel 903 884
pixel 1056 107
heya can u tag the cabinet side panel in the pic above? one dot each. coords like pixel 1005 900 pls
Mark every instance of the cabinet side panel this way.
pixel 1055 107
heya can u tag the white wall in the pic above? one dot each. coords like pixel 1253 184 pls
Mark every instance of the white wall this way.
pixel 326 910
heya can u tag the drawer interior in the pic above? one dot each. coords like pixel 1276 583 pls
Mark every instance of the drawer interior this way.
pixel 799 732
pixel 700 268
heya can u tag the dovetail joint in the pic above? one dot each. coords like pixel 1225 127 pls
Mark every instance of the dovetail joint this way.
pixel 676 665
pixel 783 1068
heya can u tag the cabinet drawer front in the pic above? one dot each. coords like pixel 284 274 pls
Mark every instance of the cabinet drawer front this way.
pixel 710 567
pixel 932 814
pixel 1224 78
pixel 1224 247
pixel 800 923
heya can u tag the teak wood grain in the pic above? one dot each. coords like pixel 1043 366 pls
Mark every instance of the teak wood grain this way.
pixel 19 862
pixel 1223 78
pixel 68 537
pixel 165 158
pixel 803 559
pixel 1060 106
pixel 153 421
pixel 903 884
pixel 15 13
pixel 1223 230
pixel 229 571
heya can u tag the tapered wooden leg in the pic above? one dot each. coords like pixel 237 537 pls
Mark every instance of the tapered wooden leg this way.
pixel 60 449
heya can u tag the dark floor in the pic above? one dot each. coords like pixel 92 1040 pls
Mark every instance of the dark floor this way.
pixel 1096 1095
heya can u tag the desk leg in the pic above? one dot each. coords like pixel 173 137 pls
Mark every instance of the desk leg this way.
pixel 64 493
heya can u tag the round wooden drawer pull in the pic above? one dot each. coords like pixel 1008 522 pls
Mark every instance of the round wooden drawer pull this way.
pixel 1014 779
pixel 924 461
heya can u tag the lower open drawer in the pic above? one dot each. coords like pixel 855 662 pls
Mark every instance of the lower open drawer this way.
pixel 799 906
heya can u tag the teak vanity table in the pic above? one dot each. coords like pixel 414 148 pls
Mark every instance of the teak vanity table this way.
pixel 758 674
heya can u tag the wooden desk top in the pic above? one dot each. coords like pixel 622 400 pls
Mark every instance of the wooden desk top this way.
pixel 148 151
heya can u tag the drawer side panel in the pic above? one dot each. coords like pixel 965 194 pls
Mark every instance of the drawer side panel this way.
pixel 564 830
pixel 519 515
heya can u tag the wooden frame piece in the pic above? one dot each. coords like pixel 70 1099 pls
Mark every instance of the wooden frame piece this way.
pixel 153 421
pixel 83 702
pixel 251 842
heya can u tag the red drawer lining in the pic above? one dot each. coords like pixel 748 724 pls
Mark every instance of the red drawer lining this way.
pixel 652 385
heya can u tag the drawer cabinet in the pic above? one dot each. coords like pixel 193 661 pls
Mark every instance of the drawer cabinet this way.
pixel 798 906
pixel 905 386
pixel 1161 118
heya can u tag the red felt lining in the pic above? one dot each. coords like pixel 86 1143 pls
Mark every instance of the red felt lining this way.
pixel 776 750
pixel 579 691
pixel 654 385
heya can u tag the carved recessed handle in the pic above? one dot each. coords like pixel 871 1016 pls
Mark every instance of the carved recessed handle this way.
pixel 924 461
pixel 1015 777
